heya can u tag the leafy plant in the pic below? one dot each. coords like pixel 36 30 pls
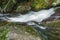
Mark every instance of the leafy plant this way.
pixel 3 34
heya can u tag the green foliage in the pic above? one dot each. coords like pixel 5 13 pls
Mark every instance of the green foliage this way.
pixel 39 4
pixel 56 2
pixel 3 32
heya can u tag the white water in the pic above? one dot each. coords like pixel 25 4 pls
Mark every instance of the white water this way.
pixel 33 16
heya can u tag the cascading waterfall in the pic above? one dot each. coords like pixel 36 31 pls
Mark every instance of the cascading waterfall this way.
pixel 30 18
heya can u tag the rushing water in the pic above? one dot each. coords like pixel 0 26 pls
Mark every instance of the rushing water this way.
pixel 33 16
pixel 30 18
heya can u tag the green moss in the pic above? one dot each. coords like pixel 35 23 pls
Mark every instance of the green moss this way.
pixel 40 4
pixel 3 33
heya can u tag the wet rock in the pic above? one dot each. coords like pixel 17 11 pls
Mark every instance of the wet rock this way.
pixel 54 17
pixel 57 13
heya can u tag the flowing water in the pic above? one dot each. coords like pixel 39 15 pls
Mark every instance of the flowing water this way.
pixel 30 18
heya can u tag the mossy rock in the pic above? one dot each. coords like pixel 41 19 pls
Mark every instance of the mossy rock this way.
pixel 41 4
